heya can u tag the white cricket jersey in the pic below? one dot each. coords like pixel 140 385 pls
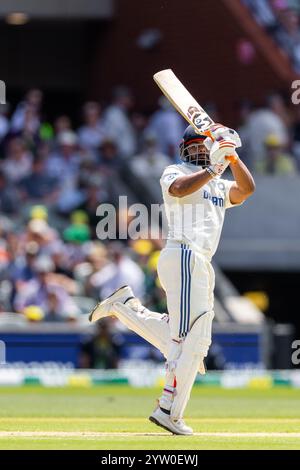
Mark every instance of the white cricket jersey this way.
pixel 197 219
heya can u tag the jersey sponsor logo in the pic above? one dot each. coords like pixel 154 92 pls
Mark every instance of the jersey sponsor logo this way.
pixel 217 201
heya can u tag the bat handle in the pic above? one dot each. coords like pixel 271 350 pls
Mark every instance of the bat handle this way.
pixel 209 134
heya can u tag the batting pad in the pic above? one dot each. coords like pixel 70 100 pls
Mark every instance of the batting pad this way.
pixel 151 326
pixel 194 349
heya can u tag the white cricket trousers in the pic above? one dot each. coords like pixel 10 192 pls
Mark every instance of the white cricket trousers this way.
pixel 188 279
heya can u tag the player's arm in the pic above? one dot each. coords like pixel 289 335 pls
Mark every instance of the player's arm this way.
pixel 188 184
pixel 243 185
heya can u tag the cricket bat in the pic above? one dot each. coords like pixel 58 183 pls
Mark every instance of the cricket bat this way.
pixel 186 105
pixel 182 100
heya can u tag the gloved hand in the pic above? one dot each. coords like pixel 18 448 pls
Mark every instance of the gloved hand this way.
pixel 219 132
pixel 223 151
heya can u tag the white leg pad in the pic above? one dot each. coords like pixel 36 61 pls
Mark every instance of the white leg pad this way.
pixel 194 349
pixel 174 351
pixel 151 326
pixel 173 354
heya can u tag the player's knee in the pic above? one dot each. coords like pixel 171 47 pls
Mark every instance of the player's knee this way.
pixel 199 337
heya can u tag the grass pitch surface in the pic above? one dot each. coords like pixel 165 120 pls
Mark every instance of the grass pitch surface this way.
pixel 116 418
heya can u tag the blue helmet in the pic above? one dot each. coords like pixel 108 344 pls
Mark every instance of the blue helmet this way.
pixel 192 149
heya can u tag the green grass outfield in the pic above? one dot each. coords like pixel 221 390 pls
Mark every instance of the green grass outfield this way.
pixel 115 417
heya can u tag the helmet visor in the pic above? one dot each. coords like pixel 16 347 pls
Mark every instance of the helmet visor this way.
pixel 195 152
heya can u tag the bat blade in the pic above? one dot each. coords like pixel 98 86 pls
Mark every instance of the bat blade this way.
pixel 182 100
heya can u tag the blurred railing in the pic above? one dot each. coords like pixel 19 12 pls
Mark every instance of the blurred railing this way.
pixel 277 60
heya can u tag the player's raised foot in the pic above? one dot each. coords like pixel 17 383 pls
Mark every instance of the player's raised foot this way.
pixel 164 420
pixel 104 309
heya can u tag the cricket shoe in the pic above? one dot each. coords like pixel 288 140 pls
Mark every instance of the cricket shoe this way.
pixel 104 309
pixel 164 420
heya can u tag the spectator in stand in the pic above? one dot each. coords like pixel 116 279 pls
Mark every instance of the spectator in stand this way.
pixel 117 122
pixel 18 161
pixel 42 292
pixel 94 196
pixel 79 230
pixel 120 271
pixel 166 124
pixel 151 161
pixel 278 105
pixel 64 165
pixel 276 160
pixel 281 20
pixel 96 258
pixel 22 266
pixel 38 231
pixel 61 124
pixel 42 150
pixel 31 124
pixel 91 134
pixel 59 255
pixel 262 122
pixel 9 197
pixel 27 112
pixel 75 242
pixel 140 123
pixel 288 36
pixel 54 313
pixel 110 158
pixel 39 186
pixel 110 168
pixel 263 13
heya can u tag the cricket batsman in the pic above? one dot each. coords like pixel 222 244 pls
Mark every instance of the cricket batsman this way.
pixel 196 198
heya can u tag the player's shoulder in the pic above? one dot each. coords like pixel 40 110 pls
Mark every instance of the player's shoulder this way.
pixel 170 174
pixel 174 168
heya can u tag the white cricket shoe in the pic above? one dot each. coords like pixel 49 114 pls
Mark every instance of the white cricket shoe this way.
pixel 104 309
pixel 165 421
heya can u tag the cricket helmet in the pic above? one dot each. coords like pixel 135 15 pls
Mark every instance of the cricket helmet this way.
pixel 192 148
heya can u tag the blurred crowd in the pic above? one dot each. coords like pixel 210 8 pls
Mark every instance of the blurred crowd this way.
pixel 52 179
pixel 271 135
pixel 54 175
pixel 280 18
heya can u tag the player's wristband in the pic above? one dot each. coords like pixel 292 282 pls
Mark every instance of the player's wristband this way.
pixel 210 171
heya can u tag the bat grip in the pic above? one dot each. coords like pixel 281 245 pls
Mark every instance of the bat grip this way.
pixel 209 134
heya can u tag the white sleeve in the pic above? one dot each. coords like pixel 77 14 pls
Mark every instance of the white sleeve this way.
pixel 169 176
pixel 228 203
